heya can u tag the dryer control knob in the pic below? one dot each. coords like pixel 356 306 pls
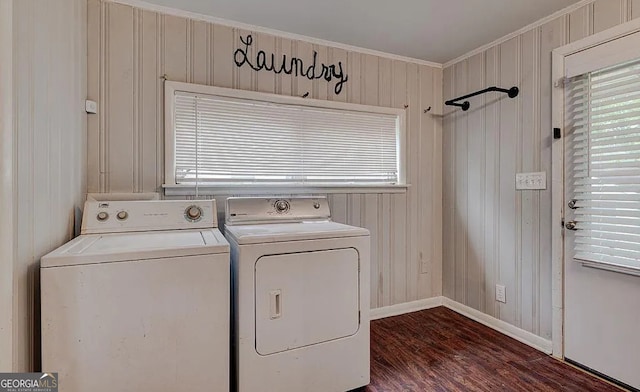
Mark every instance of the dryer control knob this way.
pixel 102 216
pixel 122 215
pixel 193 213
pixel 282 206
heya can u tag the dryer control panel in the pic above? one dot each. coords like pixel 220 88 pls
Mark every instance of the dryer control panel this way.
pixel 121 216
pixel 252 210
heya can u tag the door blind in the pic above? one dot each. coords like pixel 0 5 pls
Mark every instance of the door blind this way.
pixel 603 114
pixel 224 140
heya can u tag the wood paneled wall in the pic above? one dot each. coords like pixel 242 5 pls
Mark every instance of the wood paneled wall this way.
pixel 49 89
pixel 130 49
pixel 6 185
pixel 493 233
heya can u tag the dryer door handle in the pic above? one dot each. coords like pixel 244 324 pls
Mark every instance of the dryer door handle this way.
pixel 275 303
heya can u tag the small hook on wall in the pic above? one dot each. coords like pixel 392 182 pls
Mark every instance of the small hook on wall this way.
pixel 427 110
pixel 305 95
pixel 406 106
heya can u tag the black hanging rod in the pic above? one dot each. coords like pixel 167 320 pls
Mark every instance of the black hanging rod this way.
pixel 512 92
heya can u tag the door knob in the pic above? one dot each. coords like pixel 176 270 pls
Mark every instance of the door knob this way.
pixel 571 225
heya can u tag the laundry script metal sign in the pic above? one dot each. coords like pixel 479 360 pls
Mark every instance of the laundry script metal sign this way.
pixel 290 66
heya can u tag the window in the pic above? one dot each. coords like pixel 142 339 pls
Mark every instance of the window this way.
pixel 603 109
pixel 226 137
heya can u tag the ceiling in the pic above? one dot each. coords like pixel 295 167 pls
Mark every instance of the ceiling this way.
pixel 432 30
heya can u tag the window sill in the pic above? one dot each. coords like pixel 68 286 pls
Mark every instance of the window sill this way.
pixel 228 190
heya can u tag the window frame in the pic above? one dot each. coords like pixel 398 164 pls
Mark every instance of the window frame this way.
pixel 173 188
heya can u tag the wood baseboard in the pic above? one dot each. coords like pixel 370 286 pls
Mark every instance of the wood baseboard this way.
pixel 526 337
pixel 503 327
pixel 406 307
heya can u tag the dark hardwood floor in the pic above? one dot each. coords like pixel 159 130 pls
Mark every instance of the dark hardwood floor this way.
pixel 440 350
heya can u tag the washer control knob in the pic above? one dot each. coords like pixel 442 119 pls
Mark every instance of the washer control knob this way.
pixel 193 213
pixel 102 216
pixel 122 215
pixel 282 206
pixel 316 205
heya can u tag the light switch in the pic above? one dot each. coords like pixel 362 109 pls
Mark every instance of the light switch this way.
pixel 537 180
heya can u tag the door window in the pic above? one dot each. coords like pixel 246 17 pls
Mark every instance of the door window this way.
pixel 603 113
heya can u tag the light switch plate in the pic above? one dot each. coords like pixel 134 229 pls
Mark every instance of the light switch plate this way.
pixel 537 180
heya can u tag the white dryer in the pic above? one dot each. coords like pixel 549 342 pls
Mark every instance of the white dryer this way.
pixel 300 299
pixel 140 301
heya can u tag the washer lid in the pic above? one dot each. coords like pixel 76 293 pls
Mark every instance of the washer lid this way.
pixel 281 232
pixel 109 248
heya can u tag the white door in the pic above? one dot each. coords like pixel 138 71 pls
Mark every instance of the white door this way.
pixel 306 298
pixel 602 210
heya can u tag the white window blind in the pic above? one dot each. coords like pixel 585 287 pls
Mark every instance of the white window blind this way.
pixel 230 140
pixel 603 109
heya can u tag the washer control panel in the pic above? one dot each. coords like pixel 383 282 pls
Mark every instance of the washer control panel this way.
pixel 148 215
pixel 249 210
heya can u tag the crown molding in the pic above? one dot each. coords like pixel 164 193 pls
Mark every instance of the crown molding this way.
pixel 516 33
pixel 265 30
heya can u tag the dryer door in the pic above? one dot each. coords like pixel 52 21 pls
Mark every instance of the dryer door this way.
pixel 306 298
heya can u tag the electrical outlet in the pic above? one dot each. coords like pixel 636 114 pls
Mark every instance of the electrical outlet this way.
pixel 424 265
pixel 501 293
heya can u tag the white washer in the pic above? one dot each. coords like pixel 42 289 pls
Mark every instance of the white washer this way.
pixel 140 301
pixel 300 298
